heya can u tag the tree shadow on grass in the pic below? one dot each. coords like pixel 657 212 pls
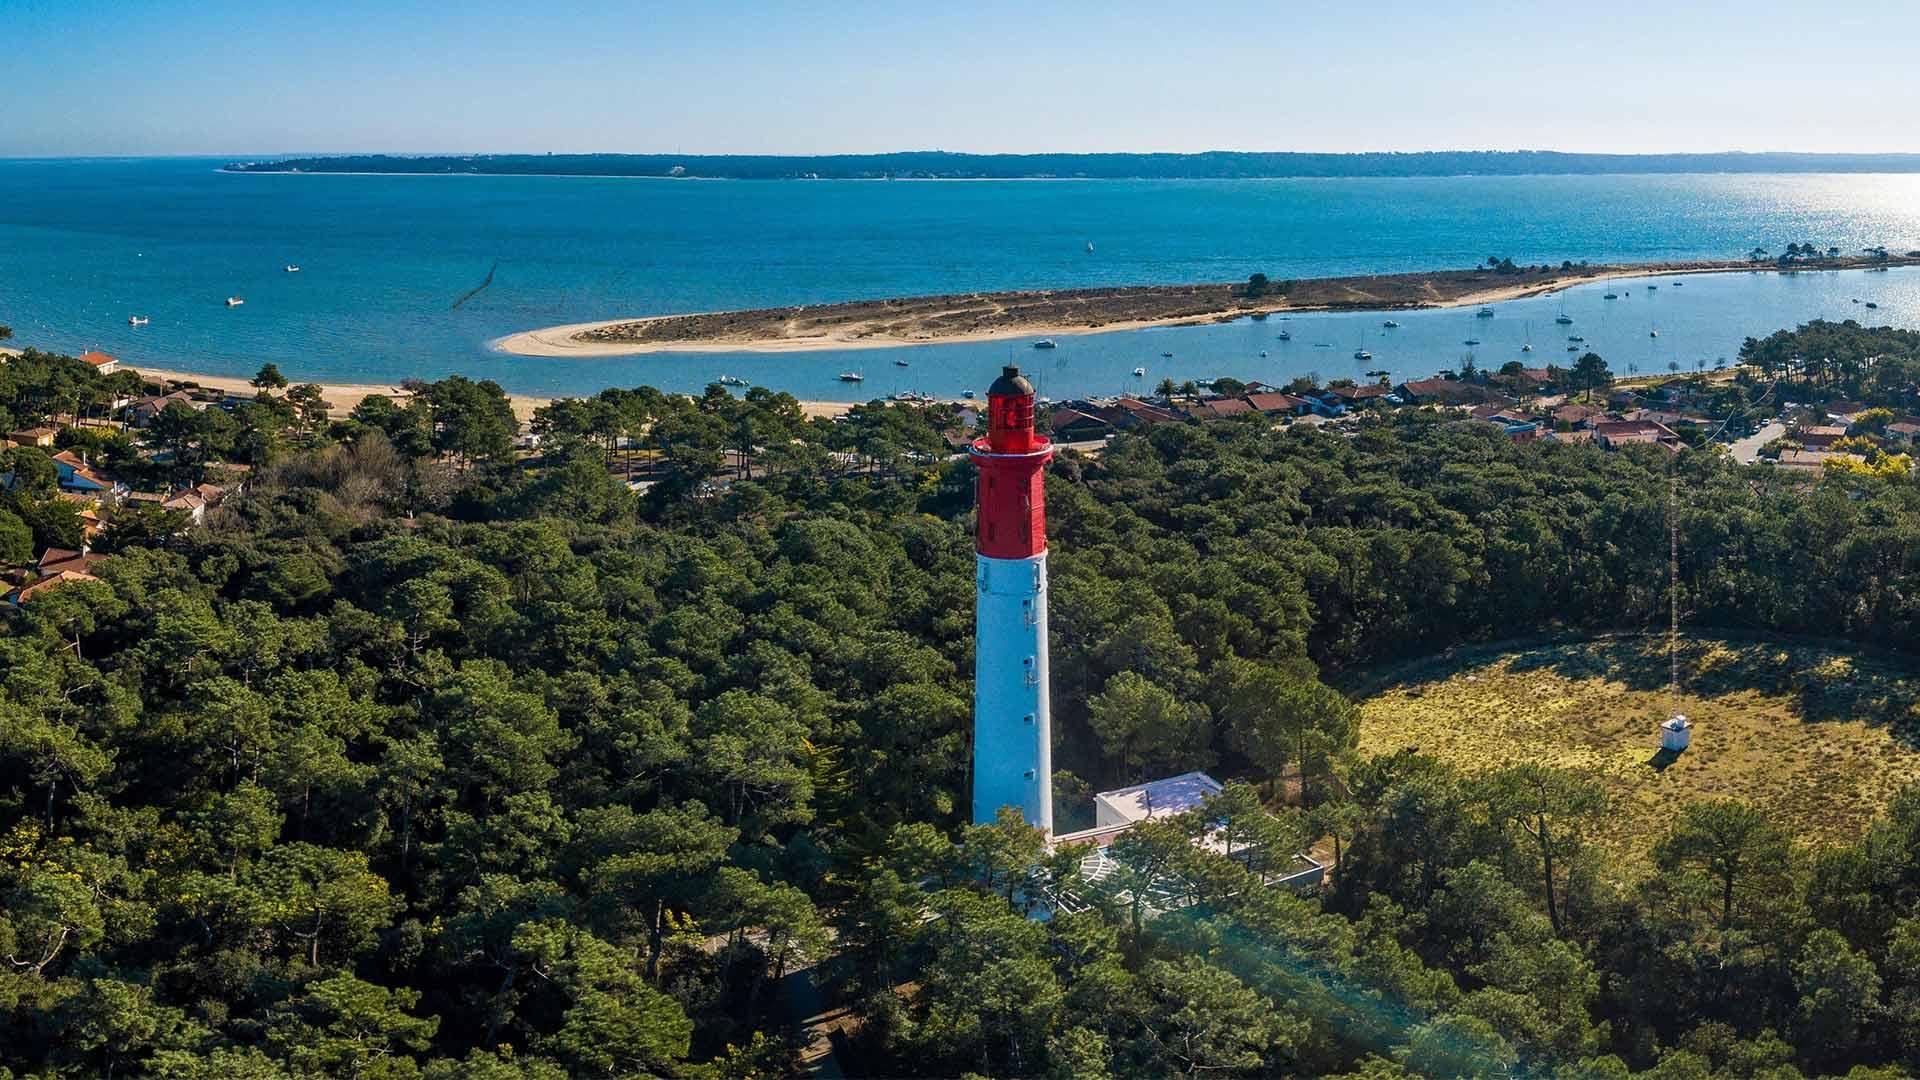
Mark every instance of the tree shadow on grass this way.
pixel 1822 682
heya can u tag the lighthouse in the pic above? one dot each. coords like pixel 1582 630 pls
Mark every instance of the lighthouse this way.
pixel 1012 725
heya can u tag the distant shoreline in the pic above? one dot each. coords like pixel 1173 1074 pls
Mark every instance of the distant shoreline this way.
pixel 977 317
pixel 1208 165
pixel 342 398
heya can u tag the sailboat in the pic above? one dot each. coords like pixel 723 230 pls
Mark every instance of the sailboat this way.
pixel 1611 295
pixel 1528 345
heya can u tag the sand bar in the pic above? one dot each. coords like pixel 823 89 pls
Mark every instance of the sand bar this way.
pixel 958 317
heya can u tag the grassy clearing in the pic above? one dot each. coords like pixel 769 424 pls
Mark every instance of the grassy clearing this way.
pixel 1818 737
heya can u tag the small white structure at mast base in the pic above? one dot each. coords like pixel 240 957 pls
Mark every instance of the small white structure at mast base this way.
pixel 1676 733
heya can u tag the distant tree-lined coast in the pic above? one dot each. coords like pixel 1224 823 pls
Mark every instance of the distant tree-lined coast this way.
pixel 1212 165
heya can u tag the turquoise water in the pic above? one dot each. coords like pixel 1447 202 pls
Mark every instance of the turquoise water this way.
pixel 85 244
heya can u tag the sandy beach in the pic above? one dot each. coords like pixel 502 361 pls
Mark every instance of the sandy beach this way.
pixel 343 397
pixel 975 317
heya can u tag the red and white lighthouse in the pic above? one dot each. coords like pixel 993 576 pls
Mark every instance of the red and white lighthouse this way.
pixel 1012 726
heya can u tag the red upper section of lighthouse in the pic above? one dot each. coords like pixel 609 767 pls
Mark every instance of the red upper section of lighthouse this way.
pixel 1010 494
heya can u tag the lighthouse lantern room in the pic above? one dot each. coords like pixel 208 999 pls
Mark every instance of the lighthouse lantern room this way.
pixel 1012 725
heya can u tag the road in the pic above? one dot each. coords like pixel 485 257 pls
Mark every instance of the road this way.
pixel 1745 450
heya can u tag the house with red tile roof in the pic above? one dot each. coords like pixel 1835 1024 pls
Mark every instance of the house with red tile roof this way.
pixel 1127 413
pixel 39 585
pixel 56 560
pixel 1819 437
pixel 1359 394
pixel 1448 392
pixel 80 477
pixel 102 363
pixel 1577 415
pixel 1275 403
pixel 1219 409
pixel 1616 433
pixel 34 436
pixel 1072 425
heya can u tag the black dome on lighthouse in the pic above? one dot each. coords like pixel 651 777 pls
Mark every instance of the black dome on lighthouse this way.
pixel 1010 384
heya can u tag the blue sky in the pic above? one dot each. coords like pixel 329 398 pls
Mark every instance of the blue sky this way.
pixel 270 76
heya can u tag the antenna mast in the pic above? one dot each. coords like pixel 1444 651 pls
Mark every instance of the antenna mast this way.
pixel 1676 732
pixel 1673 592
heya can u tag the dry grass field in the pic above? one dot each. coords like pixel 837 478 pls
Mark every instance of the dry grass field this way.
pixel 1817 736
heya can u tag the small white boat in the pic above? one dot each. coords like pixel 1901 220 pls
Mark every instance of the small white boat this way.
pixel 1528 347
pixel 1653 333
pixel 1045 343
pixel 234 301
pixel 899 363
pixel 1564 319
pixel 292 269
pixel 1575 337
pixel 852 376
pixel 1284 336
pixel 138 320
pixel 1390 324
pixel 1362 354
pixel 1484 313
pixel 1167 355
pixel 1140 373
pixel 1089 247
pixel 1263 352
pixel 732 380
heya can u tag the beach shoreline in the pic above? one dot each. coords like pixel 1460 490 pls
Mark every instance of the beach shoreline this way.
pixel 342 398
pixel 938 320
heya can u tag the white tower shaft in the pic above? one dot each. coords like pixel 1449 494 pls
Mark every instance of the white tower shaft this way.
pixel 1012 727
